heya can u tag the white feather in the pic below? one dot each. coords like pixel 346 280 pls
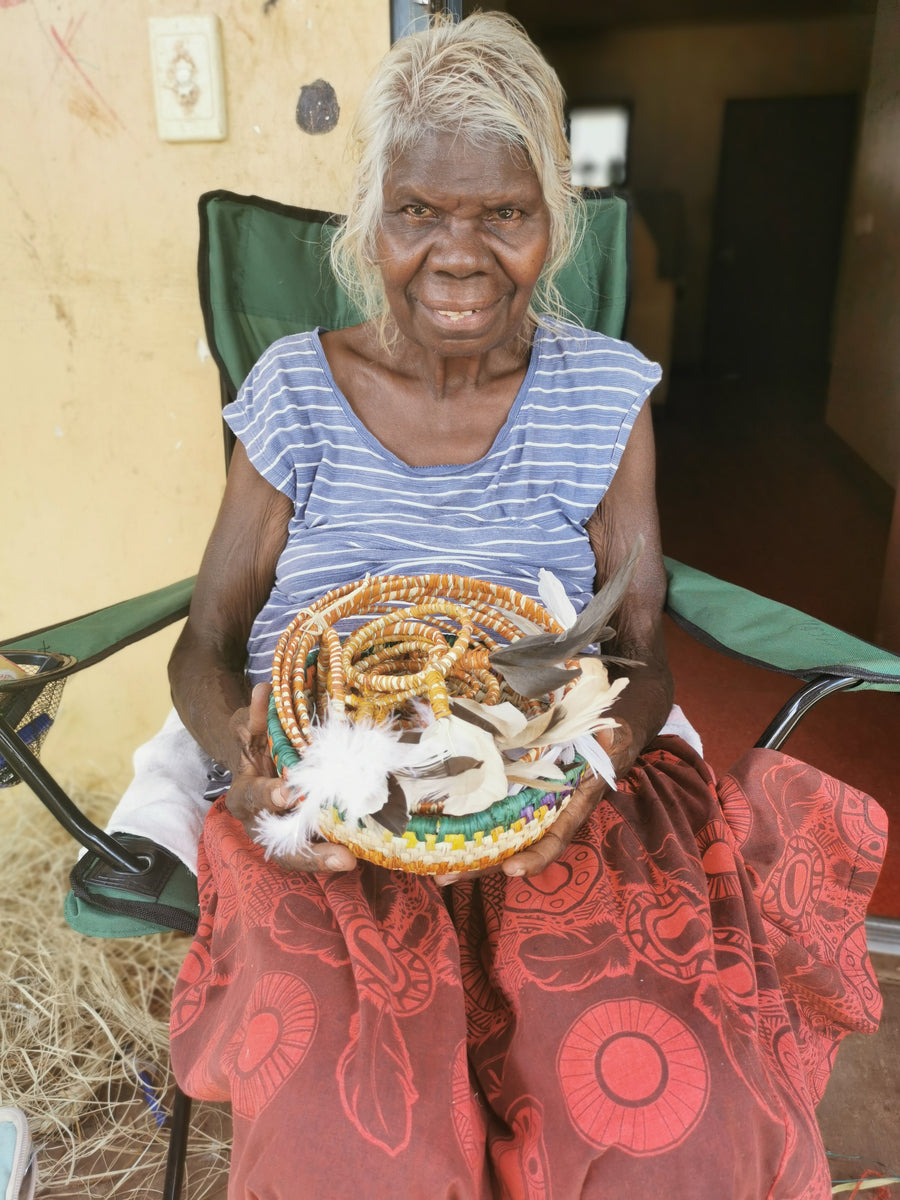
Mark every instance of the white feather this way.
pixel 596 757
pixel 542 772
pixel 504 719
pixel 345 765
pixel 287 833
pixel 554 599
pixel 526 626
pixel 578 712
pixel 421 711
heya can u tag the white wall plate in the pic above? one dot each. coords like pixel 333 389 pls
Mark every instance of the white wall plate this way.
pixel 188 80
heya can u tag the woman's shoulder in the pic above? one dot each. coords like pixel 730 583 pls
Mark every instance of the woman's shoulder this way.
pixel 278 385
pixel 565 337
pixel 589 359
pixel 293 349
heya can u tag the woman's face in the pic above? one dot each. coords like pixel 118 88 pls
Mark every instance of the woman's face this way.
pixel 463 240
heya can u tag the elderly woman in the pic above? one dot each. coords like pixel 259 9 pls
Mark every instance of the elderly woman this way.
pixel 635 1003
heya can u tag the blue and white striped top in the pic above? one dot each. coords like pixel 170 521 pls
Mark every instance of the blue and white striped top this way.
pixel 359 510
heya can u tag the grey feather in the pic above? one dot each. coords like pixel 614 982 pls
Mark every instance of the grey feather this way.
pixel 533 665
pixel 532 678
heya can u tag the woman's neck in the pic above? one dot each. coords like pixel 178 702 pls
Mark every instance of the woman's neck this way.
pixel 426 410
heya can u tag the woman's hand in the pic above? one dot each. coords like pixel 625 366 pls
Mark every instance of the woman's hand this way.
pixel 256 787
pixel 619 745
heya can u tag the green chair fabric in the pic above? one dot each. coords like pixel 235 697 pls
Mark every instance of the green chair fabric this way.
pixel 92 637
pixel 772 635
pixel 84 641
pixel 264 272
pixel 177 901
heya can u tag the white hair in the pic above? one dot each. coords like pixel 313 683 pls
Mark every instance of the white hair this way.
pixel 481 79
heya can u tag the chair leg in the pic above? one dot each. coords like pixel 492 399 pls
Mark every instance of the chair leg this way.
pixel 178 1137
pixel 32 772
pixel 785 720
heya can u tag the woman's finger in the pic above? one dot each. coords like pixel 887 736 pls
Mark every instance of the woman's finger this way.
pixel 258 712
pixel 249 728
pixel 539 856
pixel 618 742
pixel 458 876
pixel 318 858
pixel 251 794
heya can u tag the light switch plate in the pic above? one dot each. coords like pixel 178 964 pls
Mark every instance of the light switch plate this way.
pixel 188 81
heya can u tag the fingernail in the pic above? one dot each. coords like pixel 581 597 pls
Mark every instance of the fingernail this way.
pixel 334 862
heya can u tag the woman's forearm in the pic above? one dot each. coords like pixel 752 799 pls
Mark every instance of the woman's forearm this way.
pixel 642 708
pixel 206 670
pixel 206 692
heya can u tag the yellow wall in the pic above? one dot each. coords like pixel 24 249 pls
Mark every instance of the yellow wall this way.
pixel 678 79
pixel 112 450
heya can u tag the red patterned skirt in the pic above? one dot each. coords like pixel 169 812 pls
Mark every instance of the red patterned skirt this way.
pixel 656 1014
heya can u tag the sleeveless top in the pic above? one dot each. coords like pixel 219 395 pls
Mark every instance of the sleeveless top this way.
pixel 360 510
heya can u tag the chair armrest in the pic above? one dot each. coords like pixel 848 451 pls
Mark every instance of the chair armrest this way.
pixel 96 635
pixel 768 634
pixel 108 903
pixel 28 705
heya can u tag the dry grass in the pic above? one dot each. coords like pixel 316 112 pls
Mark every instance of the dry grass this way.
pixel 84 1040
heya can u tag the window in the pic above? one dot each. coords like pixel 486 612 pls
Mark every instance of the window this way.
pixel 599 142
pixel 412 16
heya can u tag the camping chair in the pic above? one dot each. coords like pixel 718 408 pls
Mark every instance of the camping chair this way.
pixel 264 271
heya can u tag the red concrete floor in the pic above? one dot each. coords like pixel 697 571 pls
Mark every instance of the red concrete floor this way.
pixel 753 488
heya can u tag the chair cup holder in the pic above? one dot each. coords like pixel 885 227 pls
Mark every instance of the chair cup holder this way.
pixel 29 705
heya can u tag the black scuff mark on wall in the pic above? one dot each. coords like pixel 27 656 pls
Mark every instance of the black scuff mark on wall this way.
pixel 317 109
pixel 268 6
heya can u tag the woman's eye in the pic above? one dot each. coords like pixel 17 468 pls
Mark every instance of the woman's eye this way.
pixel 417 210
pixel 507 214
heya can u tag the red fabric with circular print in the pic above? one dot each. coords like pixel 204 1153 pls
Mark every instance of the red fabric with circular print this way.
pixel 271 1042
pixel 633 1075
pixel 656 1014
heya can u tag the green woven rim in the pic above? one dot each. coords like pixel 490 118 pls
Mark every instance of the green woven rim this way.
pixel 501 814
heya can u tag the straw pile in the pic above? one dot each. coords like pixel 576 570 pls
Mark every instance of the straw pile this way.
pixel 84 1037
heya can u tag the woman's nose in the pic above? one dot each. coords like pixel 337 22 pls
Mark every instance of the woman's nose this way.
pixel 459 248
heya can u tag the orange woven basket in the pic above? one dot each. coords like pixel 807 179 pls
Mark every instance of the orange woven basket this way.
pixel 424 639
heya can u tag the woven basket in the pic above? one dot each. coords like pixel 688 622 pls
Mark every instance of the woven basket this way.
pixel 424 638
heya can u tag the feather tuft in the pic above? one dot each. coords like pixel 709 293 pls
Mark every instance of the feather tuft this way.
pixel 596 757
pixel 544 772
pixel 580 711
pixel 459 768
pixel 500 720
pixel 345 765
pixel 533 665
pixel 287 833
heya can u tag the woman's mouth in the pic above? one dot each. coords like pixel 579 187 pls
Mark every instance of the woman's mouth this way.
pixel 457 314
pixel 460 319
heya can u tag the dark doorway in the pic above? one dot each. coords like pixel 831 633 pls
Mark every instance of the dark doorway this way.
pixel 783 184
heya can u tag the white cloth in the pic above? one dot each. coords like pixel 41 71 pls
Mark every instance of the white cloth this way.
pixel 678 724
pixel 164 801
